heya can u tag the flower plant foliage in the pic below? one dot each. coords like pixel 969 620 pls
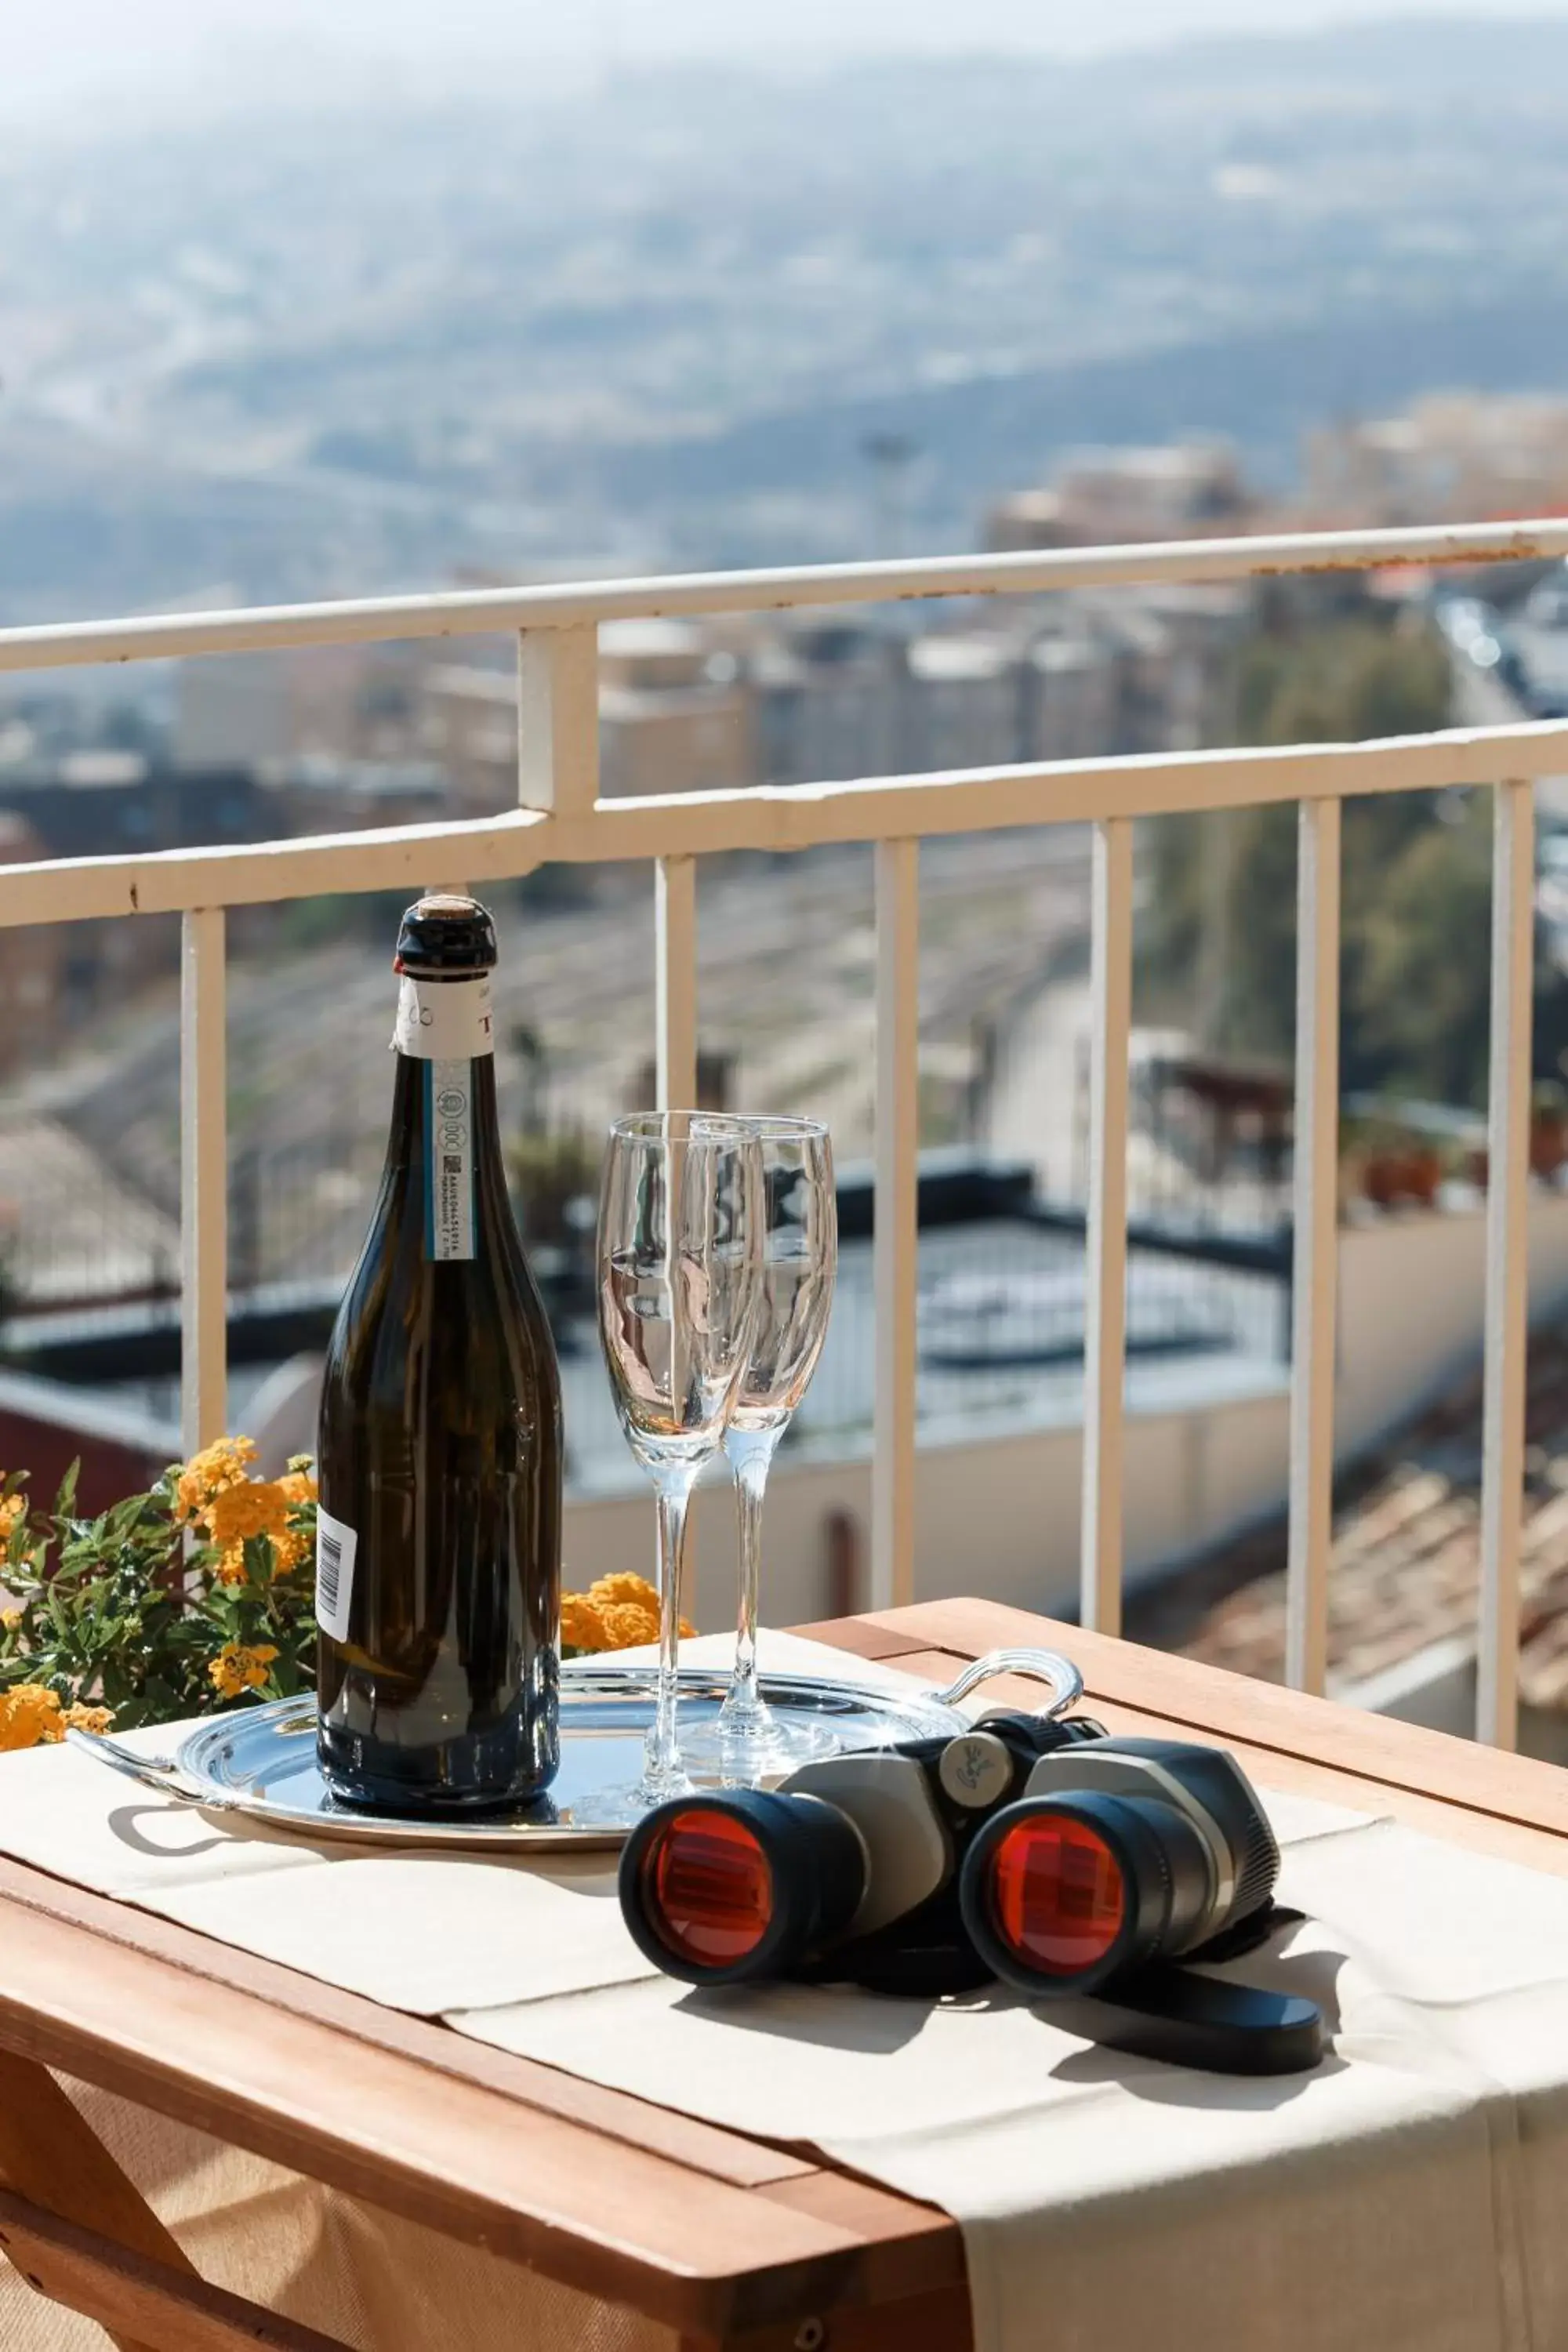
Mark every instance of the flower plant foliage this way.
pixel 180 1601
pixel 192 1599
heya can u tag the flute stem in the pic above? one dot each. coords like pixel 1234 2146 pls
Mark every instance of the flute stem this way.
pixel 662 1772
pixel 751 1454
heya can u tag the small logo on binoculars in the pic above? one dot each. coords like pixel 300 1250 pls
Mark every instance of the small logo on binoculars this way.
pixel 976 1768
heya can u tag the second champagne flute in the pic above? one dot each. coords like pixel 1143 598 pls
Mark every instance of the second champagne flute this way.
pixel 800 1259
pixel 679 1286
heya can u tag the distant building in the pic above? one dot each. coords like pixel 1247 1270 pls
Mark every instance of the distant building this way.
pixel 351 702
pixel 315 792
pixel 1066 677
pixel 675 711
pixel 1204 624
pixel 964 702
pixel 1117 496
pixel 826 698
pixel 675 716
pixel 231 706
pixel 466 722
pixel 1070 697
pixel 113 804
pixel 1128 670
pixel 1459 456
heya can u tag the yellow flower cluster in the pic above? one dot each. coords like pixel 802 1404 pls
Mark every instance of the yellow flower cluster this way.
pixel 216 1495
pixel 617 1613
pixel 210 1473
pixel 252 1507
pixel 32 1717
pixel 292 1545
pixel 29 1715
pixel 12 1508
pixel 238 1668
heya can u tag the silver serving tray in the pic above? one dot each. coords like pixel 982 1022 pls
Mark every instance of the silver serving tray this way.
pixel 261 1760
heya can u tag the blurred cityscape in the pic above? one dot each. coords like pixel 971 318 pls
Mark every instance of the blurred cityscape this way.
pixel 1251 286
pixel 253 748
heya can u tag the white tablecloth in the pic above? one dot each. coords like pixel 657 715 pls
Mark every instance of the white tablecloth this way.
pixel 1411 2193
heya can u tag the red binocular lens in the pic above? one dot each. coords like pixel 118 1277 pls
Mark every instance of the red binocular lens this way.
pixel 1060 1894
pixel 1057 1895
pixel 707 1886
pixel 747 1885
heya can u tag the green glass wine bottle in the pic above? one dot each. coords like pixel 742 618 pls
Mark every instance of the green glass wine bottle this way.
pixel 440 1459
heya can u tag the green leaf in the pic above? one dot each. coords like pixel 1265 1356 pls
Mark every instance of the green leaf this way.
pixel 64 1499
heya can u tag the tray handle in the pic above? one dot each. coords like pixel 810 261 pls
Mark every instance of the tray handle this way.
pixel 1039 1665
pixel 159 1772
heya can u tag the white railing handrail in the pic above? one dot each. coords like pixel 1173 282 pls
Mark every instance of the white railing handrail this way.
pixel 774 817
pixel 462 611
pixel 559 816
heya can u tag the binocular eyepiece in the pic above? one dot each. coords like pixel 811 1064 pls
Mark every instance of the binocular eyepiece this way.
pixel 1045 1854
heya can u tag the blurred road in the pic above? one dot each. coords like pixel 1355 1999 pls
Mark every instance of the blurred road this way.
pixel 1482 698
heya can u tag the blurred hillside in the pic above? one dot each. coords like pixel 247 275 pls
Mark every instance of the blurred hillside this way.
pixel 668 319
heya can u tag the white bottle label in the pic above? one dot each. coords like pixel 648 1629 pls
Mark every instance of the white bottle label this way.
pixel 335 1549
pixel 444 1020
pixel 449 1160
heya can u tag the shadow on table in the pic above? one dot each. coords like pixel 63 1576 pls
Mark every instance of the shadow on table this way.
pixel 843 2017
pixel 124 1824
pixel 870 2024
pixel 180 1832
pixel 1313 1976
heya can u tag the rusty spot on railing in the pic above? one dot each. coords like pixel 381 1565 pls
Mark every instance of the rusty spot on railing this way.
pixel 135 899
pixel 1516 550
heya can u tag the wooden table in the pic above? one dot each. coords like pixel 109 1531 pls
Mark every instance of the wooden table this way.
pixel 722 2239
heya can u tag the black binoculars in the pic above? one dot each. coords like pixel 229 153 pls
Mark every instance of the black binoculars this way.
pixel 1065 1861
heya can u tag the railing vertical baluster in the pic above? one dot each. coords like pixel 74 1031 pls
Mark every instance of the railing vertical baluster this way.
pixel 1105 1335
pixel 558 719
pixel 675 958
pixel 1508 1265
pixel 1316 1262
pixel 896 1249
pixel 204 1180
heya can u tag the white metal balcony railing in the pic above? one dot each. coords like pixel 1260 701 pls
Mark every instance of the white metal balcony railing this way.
pixel 559 816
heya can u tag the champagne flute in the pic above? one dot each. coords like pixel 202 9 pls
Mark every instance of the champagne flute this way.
pixel 679 1259
pixel 800 1258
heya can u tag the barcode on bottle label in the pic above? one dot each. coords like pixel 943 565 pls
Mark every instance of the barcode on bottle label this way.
pixel 449 1160
pixel 335 1547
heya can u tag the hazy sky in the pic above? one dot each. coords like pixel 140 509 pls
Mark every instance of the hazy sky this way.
pixel 74 51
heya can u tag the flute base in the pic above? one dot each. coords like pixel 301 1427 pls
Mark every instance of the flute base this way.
pixel 751 1748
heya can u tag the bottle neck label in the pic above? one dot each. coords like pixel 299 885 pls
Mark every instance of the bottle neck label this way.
pixel 444 1020
pixel 449 1160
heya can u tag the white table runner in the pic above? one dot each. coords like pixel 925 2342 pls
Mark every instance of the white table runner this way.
pixel 1413 2192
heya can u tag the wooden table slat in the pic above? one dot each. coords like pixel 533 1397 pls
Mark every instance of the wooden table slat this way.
pixel 937 2322
pixel 699 2147
pixel 159 2307
pixel 877 1638
pixel 616 2219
